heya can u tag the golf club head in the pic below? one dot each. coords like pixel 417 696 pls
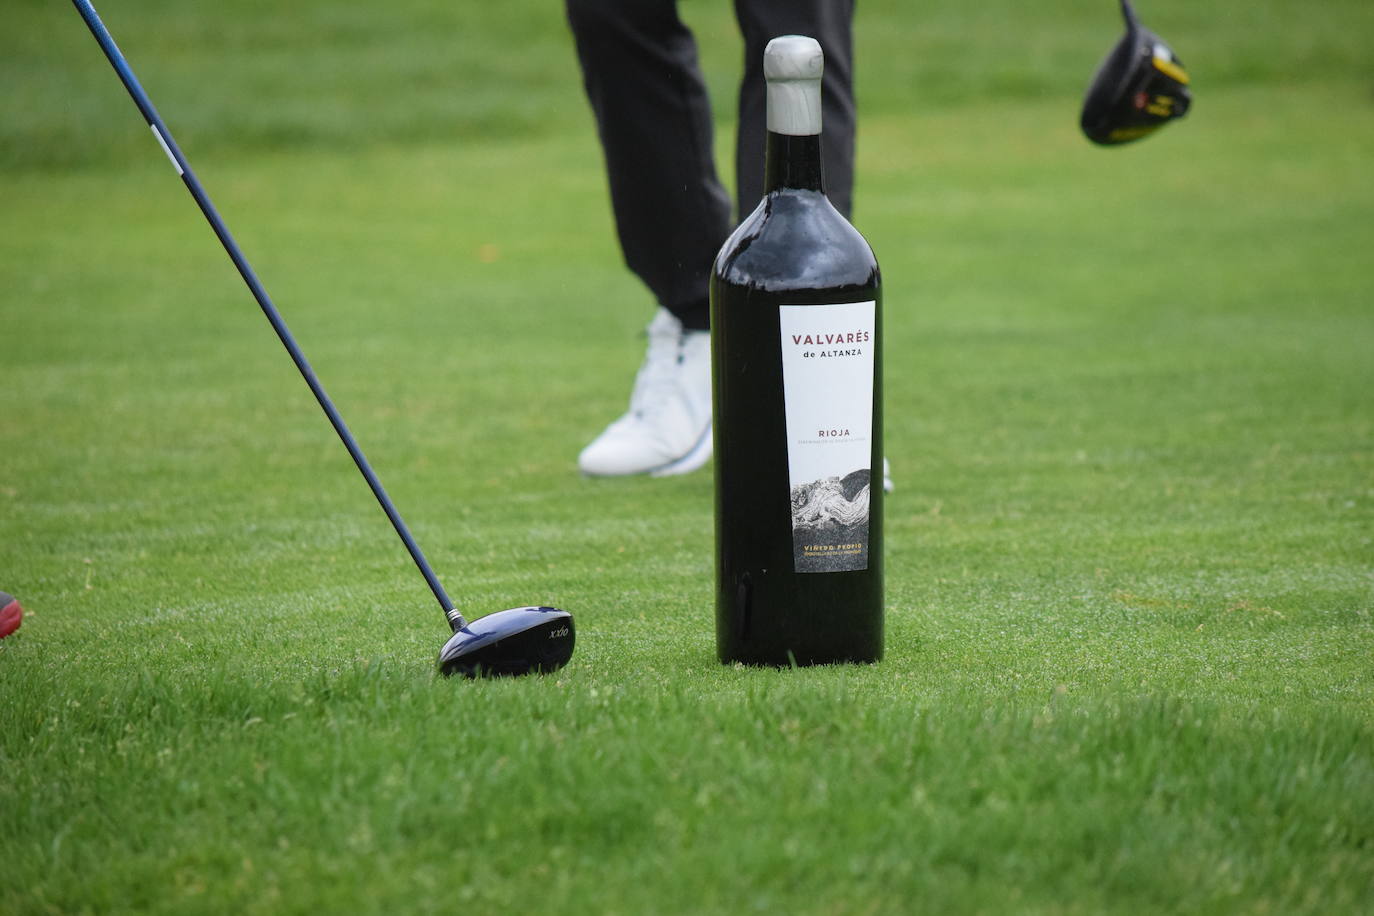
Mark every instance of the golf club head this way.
pixel 520 640
pixel 1139 87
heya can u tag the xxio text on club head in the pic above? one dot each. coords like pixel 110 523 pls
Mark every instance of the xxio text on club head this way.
pixel 520 640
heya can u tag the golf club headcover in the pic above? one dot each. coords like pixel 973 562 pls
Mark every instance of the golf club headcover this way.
pixel 1139 87
pixel 11 614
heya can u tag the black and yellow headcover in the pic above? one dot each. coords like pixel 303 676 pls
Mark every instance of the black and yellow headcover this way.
pixel 1139 87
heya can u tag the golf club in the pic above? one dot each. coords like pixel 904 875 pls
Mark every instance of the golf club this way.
pixel 1138 88
pixel 515 641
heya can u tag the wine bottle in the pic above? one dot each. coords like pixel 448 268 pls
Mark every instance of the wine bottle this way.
pixel 796 324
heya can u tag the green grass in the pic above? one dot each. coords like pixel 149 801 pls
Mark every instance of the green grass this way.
pixel 1129 412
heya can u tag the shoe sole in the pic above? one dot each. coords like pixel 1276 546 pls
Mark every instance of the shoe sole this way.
pixel 695 458
pixel 701 453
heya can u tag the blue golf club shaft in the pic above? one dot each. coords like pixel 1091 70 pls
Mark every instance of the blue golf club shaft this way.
pixel 188 177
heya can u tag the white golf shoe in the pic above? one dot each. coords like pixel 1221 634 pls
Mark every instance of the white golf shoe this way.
pixel 667 429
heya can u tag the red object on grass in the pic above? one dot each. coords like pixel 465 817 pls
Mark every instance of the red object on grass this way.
pixel 11 614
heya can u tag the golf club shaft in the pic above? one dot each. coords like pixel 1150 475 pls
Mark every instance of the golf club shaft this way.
pixel 188 177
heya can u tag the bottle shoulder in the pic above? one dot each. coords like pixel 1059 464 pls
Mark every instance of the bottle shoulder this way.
pixel 796 239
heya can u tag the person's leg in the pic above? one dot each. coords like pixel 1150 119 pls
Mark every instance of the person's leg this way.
pixel 640 71
pixel 829 22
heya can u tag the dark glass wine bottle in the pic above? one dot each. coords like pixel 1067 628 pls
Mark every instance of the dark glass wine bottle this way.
pixel 796 324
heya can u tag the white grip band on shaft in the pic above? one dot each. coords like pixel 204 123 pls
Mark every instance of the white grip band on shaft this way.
pixel 162 141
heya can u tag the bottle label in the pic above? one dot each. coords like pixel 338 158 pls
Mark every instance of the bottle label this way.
pixel 827 377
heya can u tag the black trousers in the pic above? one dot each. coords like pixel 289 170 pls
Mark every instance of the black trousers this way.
pixel 640 69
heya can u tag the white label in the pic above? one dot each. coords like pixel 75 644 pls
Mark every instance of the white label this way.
pixel 827 372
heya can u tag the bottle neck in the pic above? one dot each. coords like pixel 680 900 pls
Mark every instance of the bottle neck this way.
pixel 793 162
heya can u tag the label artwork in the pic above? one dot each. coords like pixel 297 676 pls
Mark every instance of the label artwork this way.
pixel 827 372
